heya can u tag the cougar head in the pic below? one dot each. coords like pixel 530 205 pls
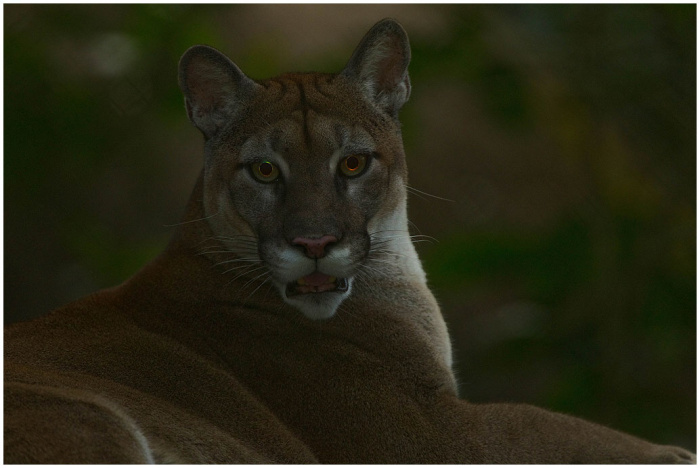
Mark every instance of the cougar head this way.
pixel 305 173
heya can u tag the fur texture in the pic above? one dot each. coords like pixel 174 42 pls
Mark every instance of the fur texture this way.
pixel 210 354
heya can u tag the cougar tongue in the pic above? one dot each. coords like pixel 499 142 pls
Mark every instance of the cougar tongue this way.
pixel 316 279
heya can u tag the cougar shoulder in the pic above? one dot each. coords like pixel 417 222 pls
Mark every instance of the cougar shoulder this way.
pixel 289 319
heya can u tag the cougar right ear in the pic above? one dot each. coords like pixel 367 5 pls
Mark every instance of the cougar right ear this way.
pixel 214 88
pixel 380 66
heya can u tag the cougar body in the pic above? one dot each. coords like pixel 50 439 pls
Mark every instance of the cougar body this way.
pixel 289 319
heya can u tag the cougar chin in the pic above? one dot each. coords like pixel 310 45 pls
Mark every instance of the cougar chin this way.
pixel 320 305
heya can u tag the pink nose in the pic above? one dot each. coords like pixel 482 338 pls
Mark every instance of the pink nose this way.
pixel 316 247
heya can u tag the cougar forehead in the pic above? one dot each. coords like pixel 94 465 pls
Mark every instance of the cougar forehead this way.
pixel 327 111
pixel 306 139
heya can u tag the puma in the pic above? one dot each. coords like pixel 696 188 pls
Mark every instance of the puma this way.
pixel 288 320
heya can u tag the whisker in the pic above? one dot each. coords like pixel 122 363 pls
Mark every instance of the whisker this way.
pixel 256 289
pixel 237 268
pixel 366 268
pixel 414 225
pixel 382 261
pixel 253 280
pixel 269 288
pixel 431 241
pixel 237 260
pixel 235 241
pixel 414 238
pixel 208 252
pixel 386 230
pixel 417 193
pixel 360 277
pixel 382 249
pixel 241 238
pixel 245 272
pixel 191 221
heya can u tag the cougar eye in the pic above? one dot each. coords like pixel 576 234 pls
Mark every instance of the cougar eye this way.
pixel 353 165
pixel 265 171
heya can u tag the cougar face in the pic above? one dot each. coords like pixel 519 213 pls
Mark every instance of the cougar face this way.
pixel 305 172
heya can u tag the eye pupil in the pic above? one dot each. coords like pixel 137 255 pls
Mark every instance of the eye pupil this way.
pixel 352 163
pixel 266 169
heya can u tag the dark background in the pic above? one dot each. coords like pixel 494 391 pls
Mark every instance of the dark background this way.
pixel 565 136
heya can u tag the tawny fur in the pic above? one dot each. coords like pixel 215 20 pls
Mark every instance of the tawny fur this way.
pixel 182 364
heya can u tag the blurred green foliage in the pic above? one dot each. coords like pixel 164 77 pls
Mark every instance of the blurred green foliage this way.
pixel 586 306
pixel 596 312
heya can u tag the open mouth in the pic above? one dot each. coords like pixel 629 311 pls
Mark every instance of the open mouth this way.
pixel 317 282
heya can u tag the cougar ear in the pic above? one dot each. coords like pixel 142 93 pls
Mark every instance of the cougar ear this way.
pixel 380 66
pixel 214 88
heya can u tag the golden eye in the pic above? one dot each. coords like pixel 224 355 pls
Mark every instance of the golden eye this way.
pixel 265 171
pixel 353 165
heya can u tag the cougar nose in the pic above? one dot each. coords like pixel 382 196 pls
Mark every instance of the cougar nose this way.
pixel 315 247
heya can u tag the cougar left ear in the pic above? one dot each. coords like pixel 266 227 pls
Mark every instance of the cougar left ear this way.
pixel 214 88
pixel 380 66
